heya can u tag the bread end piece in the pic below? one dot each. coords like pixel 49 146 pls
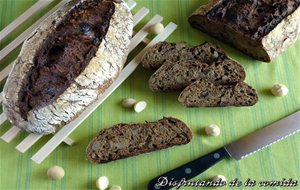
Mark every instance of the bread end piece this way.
pixel 266 49
pixel 125 140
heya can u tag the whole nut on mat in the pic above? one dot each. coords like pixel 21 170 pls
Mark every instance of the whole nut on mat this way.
pixel 279 90
pixel 140 106
pixel 128 102
pixel 55 173
pixel 102 183
pixel 115 187
pixel 218 177
pixel 212 130
pixel 156 28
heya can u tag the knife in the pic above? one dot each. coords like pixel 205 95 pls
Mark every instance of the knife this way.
pixel 238 150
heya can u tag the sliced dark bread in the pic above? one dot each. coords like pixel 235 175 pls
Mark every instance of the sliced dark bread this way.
pixel 173 52
pixel 125 140
pixel 176 76
pixel 204 93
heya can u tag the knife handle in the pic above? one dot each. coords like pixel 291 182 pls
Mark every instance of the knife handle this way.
pixel 187 171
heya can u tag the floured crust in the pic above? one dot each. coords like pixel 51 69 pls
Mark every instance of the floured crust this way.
pixel 95 78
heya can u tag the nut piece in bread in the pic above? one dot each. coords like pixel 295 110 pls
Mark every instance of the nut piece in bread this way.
pixel 125 140
pixel 73 56
pixel 262 29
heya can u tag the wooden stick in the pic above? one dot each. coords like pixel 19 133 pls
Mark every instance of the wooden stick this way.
pixel 69 128
pixel 16 42
pixel 31 139
pixel 131 4
pixel 28 142
pixel 69 141
pixel 140 15
pixel 142 34
pixel 23 17
pixel 1 97
pixel 6 71
pixel 3 118
pixel 11 134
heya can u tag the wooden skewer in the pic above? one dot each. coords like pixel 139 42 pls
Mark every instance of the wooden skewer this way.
pixel 5 71
pixel 131 4
pixel 0 97
pixel 31 139
pixel 140 15
pixel 142 34
pixel 3 118
pixel 23 17
pixel 11 134
pixel 28 142
pixel 16 42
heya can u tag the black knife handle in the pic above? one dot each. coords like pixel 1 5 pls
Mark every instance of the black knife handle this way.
pixel 189 170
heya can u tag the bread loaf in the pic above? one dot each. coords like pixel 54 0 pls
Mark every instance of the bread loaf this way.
pixel 67 63
pixel 157 55
pixel 176 76
pixel 203 93
pixel 125 140
pixel 262 28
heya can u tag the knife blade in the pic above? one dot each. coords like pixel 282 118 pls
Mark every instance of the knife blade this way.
pixel 238 150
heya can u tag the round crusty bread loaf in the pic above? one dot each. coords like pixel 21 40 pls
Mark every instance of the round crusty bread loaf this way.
pixel 100 71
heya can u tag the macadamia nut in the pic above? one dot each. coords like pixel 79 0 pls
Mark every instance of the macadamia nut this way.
pixel 102 183
pixel 212 130
pixel 140 106
pixel 56 173
pixel 156 28
pixel 128 102
pixel 218 177
pixel 279 90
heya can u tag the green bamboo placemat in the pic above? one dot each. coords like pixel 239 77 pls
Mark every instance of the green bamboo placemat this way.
pixel 274 163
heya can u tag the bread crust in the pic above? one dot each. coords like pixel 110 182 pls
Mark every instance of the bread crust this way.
pixel 95 78
pixel 265 49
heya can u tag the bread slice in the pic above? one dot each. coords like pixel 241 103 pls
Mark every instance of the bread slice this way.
pixel 262 29
pixel 157 55
pixel 125 140
pixel 66 63
pixel 203 93
pixel 176 76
